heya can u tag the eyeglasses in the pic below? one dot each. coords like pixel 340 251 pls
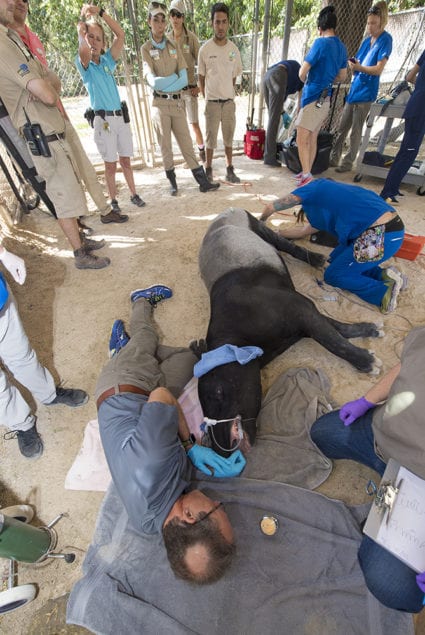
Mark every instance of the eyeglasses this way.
pixel 176 14
pixel 214 509
pixel 374 11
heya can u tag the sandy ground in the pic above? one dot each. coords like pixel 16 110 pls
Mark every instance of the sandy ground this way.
pixel 68 315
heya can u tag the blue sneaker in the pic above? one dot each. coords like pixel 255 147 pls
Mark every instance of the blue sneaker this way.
pixel 152 294
pixel 119 338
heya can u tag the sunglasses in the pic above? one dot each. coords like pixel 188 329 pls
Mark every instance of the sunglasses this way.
pixel 157 5
pixel 374 11
pixel 214 509
pixel 176 14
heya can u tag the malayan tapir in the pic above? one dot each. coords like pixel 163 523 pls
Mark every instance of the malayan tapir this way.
pixel 253 301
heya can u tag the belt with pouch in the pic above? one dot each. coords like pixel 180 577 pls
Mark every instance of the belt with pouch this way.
pixel 55 136
pixel 120 389
pixel 110 113
pixel 167 96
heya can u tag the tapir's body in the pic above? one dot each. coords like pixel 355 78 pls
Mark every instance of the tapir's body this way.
pixel 254 303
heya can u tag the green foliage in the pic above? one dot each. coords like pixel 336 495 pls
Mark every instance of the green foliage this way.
pixel 55 22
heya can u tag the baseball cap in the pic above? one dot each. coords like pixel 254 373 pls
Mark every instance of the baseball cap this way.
pixel 178 5
pixel 155 8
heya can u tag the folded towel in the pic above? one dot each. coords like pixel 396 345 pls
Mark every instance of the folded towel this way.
pixel 225 355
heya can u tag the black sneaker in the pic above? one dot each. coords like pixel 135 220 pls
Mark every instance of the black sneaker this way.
pixel 136 200
pixel 29 441
pixel 72 397
pixel 115 207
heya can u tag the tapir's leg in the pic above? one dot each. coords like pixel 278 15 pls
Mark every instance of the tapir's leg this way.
pixel 320 328
pixel 359 329
pixel 283 244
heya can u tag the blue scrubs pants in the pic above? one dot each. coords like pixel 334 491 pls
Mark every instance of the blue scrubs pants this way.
pixel 362 278
pixel 412 139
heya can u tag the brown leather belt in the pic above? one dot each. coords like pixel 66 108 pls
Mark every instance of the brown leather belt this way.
pixel 56 136
pixel 121 388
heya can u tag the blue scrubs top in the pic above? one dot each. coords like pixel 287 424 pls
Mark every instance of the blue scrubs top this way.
pixel 340 209
pixel 100 82
pixel 364 87
pixel 4 293
pixel 327 56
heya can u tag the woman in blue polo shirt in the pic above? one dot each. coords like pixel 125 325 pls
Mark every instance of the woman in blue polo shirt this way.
pixel 414 132
pixel 367 67
pixel 324 64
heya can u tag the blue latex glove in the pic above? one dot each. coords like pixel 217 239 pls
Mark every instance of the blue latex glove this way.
pixel 212 464
pixel 354 409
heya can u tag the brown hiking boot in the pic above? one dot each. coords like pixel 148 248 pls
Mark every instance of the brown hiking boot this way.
pixel 86 260
pixel 114 217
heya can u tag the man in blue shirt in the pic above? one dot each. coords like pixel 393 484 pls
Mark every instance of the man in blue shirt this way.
pixel 112 133
pixel 367 67
pixel 280 80
pixel 20 359
pixel 150 450
pixel 414 132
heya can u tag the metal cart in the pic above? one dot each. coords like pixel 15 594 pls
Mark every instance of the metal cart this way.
pixel 392 112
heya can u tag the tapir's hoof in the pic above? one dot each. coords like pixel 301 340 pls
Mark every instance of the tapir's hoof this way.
pixel 377 365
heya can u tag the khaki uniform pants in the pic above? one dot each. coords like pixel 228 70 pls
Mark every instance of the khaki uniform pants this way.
pixel 85 169
pixel 169 116
pixel 145 363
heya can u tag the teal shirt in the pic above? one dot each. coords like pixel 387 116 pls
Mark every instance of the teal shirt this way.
pixel 100 82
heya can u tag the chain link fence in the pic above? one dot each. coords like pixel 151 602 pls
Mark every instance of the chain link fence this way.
pixel 406 28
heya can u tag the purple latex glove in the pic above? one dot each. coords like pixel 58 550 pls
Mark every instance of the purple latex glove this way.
pixel 420 581
pixel 354 409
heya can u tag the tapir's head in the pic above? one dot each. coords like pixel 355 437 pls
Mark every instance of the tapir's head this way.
pixel 233 392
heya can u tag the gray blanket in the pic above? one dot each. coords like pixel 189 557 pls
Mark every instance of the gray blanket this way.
pixel 304 580
pixel 284 451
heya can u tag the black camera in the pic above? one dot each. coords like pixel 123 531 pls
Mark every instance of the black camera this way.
pixel 36 139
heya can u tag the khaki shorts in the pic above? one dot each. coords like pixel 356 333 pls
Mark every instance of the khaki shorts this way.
pixel 191 104
pixel 311 118
pixel 62 183
pixel 216 113
pixel 113 138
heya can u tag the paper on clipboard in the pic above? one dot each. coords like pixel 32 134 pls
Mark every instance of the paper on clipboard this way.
pixel 401 530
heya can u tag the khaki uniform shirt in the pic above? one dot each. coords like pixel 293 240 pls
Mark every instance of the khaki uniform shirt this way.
pixel 17 68
pixel 162 62
pixel 399 424
pixel 220 65
pixel 189 46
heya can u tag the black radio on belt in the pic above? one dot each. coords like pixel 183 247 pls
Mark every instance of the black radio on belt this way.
pixel 323 95
pixel 125 113
pixel 36 139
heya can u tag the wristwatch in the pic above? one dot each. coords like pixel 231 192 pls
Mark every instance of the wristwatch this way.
pixel 189 442
pixel 101 11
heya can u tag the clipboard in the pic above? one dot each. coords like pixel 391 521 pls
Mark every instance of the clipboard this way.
pixel 396 520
